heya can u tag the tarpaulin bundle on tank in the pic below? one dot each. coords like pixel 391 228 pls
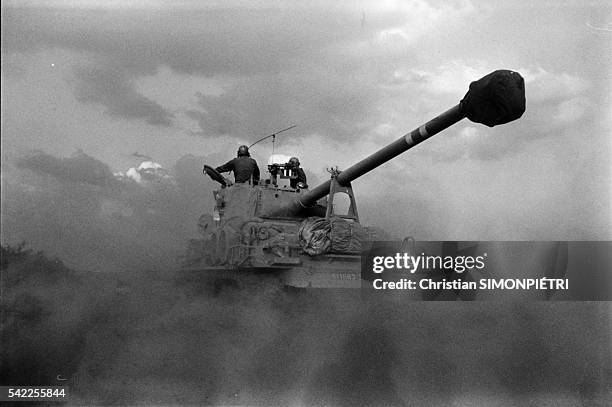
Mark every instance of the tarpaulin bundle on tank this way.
pixel 320 235
pixel 496 98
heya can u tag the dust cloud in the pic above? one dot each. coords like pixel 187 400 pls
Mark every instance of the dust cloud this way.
pixel 166 338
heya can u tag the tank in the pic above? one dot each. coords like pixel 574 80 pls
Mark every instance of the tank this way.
pixel 305 237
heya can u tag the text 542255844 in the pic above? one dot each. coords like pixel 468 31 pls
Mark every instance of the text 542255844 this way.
pixel 33 393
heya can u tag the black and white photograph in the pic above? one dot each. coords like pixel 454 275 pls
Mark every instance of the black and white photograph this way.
pixel 321 203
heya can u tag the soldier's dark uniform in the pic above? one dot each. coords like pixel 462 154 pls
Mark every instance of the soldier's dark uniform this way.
pixel 301 177
pixel 244 167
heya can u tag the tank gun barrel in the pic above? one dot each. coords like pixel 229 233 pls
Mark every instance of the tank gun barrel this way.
pixel 386 153
pixel 497 98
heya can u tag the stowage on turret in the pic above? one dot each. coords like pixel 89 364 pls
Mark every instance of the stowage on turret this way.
pixel 313 237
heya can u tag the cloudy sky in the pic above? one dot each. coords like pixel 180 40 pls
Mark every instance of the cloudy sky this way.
pixel 92 89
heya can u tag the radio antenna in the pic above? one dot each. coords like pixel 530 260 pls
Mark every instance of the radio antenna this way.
pixel 273 135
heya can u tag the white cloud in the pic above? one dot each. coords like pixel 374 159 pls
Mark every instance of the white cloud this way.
pixel 451 78
pixel 420 17
pixel 572 110
pixel 454 76
pixel 146 172
pixel 462 144
pixel 470 133
pixel 134 175
pixel 543 86
pixel 149 166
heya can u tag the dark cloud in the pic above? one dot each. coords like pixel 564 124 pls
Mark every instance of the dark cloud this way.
pixel 325 67
pixel 190 41
pixel 97 221
pixel 112 89
pixel 79 168
pixel 327 72
pixel 328 104
pixel 285 66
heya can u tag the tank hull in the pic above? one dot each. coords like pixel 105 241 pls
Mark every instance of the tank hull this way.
pixel 326 271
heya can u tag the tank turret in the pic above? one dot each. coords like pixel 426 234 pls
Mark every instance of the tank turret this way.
pixel 306 237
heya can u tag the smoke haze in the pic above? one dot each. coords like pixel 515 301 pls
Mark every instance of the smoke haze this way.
pixel 160 338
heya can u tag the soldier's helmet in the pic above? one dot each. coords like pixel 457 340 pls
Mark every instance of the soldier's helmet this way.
pixel 294 161
pixel 243 151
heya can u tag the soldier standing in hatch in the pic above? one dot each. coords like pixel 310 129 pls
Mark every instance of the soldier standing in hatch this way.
pixel 244 167
pixel 300 178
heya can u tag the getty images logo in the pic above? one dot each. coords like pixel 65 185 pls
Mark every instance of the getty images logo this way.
pixel 405 260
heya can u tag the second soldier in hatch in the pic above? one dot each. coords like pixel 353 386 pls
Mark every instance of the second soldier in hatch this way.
pixel 244 167
pixel 299 179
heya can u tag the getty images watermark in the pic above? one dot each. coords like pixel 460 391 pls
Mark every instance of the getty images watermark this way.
pixel 407 266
